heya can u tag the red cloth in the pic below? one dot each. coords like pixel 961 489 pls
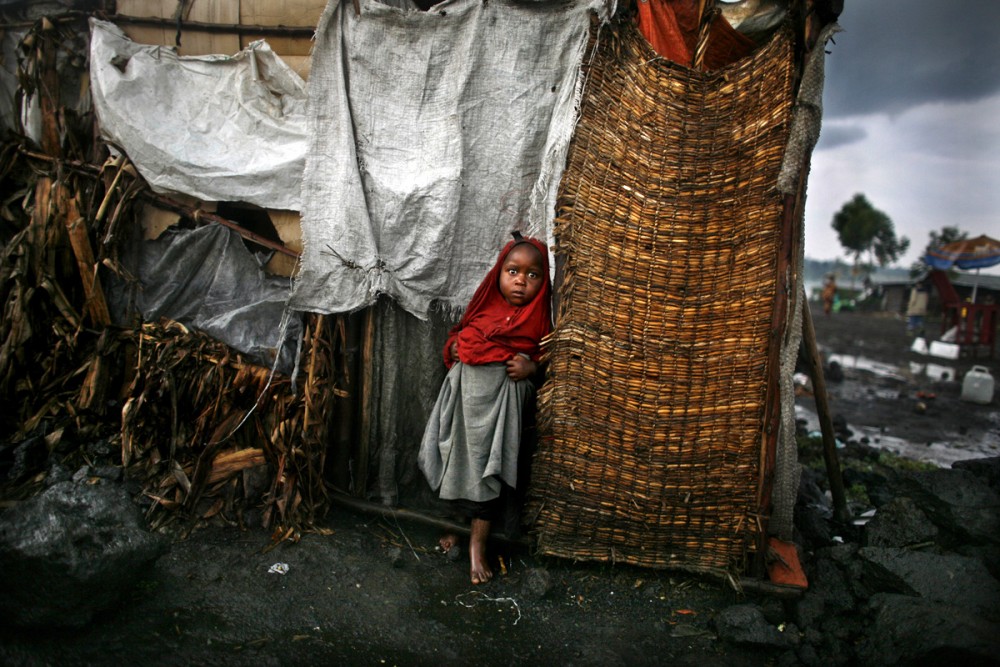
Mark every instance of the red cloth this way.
pixel 492 330
pixel 671 28
pixel 783 566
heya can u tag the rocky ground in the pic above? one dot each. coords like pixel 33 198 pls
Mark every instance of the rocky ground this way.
pixel 916 585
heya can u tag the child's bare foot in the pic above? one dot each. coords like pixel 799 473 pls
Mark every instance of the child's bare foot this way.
pixel 480 571
pixel 449 546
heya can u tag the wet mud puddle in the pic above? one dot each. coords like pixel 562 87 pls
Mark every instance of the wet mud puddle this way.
pixel 890 385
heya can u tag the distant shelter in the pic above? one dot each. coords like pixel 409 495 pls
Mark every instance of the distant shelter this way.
pixel 893 294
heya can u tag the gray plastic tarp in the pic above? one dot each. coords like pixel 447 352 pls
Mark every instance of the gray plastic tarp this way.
pixel 206 279
pixel 431 136
pixel 218 128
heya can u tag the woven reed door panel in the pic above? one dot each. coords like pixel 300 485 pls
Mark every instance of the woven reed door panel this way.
pixel 668 226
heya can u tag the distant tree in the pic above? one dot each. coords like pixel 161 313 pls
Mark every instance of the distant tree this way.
pixel 866 231
pixel 946 235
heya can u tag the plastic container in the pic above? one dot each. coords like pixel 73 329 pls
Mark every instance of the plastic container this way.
pixel 919 345
pixel 977 387
pixel 944 350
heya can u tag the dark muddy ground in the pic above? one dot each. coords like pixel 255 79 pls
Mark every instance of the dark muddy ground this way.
pixel 374 592
pixel 902 401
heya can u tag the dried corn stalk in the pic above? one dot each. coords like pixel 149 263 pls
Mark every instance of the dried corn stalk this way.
pixel 205 433
pixel 210 435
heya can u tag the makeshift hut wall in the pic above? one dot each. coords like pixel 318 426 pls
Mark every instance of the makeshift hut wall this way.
pixel 652 420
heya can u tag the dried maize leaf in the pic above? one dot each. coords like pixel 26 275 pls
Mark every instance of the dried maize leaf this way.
pixel 232 462
pixel 60 301
pixel 129 410
pixel 32 422
pixel 182 479
pixel 214 509
pixel 164 502
pixel 227 427
pixel 94 389
pixel 53 439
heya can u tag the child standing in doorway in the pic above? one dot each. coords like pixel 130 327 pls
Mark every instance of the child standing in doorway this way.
pixel 470 447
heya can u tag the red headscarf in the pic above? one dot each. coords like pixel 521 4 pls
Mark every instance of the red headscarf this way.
pixel 492 330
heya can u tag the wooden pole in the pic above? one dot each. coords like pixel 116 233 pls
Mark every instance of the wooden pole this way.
pixel 347 405
pixel 367 400
pixel 224 28
pixel 840 511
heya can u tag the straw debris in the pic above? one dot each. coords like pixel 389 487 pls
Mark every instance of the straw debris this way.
pixel 200 432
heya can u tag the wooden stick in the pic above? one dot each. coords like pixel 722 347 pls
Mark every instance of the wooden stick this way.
pixel 744 583
pixel 289 31
pixel 412 515
pixel 814 366
pixel 103 208
pixel 201 216
pixel 346 406
pixel 164 202
pixel 311 370
pixel 366 400
pixel 771 425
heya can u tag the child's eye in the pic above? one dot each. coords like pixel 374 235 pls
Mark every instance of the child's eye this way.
pixel 532 275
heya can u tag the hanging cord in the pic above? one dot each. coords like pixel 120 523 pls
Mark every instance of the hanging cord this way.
pixel 282 334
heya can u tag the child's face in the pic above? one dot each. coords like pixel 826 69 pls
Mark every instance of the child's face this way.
pixel 521 276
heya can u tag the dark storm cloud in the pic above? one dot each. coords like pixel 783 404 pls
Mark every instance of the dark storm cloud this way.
pixel 833 136
pixel 897 54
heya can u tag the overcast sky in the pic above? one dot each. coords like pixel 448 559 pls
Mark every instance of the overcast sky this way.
pixel 911 120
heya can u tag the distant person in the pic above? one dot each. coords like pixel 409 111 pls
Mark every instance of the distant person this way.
pixel 469 452
pixel 916 309
pixel 829 293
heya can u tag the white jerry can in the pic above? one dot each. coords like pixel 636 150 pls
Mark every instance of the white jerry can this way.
pixel 977 387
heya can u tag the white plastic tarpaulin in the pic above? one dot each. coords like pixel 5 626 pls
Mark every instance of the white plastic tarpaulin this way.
pixel 431 136
pixel 219 128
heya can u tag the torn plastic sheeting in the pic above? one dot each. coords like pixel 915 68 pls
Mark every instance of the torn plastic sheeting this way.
pixel 207 279
pixel 218 128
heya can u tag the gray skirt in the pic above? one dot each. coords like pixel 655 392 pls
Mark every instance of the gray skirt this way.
pixel 473 436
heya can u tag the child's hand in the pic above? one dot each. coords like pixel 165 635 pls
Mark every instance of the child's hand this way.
pixel 454 351
pixel 520 367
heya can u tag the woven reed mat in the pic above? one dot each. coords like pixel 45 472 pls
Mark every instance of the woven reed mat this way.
pixel 668 223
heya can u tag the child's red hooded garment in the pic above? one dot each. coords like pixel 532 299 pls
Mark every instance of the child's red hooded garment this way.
pixel 492 330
